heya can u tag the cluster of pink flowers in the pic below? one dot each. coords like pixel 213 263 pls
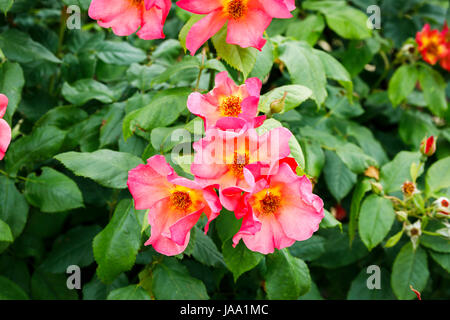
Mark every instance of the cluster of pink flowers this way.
pixel 234 167
pixel 246 19
pixel 5 130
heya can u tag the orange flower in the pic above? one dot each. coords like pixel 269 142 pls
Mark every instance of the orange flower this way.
pixel 432 44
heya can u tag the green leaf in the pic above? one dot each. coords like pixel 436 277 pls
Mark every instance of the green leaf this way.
pixel 287 277
pixel 360 291
pixel 141 77
pixel 402 83
pixel 433 86
pixel 416 125
pixel 111 128
pixel 362 187
pixel 392 241
pixel 308 29
pixel 310 249
pixel 171 281
pixel 5 232
pixel 443 259
pixel 355 158
pixel 435 243
pixel 305 68
pixel 264 62
pixel 106 167
pixel 52 191
pixel 116 246
pixel 227 225
pixel 72 248
pixel 188 64
pixel 13 208
pixel 85 90
pixel 329 221
pixel 339 179
pixel 11 291
pixel 337 13
pixel 46 286
pixel 358 54
pixel 120 53
pixel 242 59
pixel 438 176
pixel 314 157
pixel 205 250
pixel 18 46
pixel 393 174
pixel 336 71
pixel 11 84
pixel 239 259
pixel 163 109
pixel 185 30
pixel 375 220
pixel 296 94
pixel 5 5
pixel 132 292
pixel 410 268
pixel 42 143
pixel 338 252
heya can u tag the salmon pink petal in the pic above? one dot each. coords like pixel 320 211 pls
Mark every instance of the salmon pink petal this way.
pixel 160 219
pixel 290 4
pixel 253 86
pixel 269 237
pixel 204 29
pixel 149 4
pixel 200 6
pixel 276 9
pixel 224 85
pixel 199 105
pixel 248 32
pixel 180 229
pixel 5 137
pixel 153 21
pixel 3 104
pixel 107 9
pixel 125 23
pixel 148 183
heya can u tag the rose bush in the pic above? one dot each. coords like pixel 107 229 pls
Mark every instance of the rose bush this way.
pixel 224 149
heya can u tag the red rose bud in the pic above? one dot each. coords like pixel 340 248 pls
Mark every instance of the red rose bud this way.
pixel 338 212
pixel 428 146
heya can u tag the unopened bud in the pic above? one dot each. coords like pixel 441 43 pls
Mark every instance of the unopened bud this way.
pixel 277 106
pixel 338 212
pixel 428 146
pixel 401 216
pixel 377 188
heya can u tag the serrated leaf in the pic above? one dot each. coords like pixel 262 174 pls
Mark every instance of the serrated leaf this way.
pixel 116 246
pixel 106 167
pixel 242 59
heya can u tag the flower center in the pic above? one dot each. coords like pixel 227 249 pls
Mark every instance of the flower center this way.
pixel 408 188
pixel 240 161
pixel 231 106
pixel 180 200
pixel 270 203
pixel 236 9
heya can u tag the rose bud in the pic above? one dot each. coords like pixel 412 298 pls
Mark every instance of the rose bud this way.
pixel 428 146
